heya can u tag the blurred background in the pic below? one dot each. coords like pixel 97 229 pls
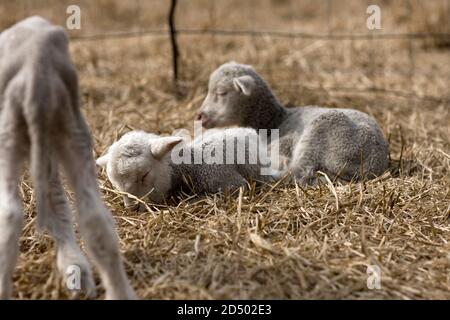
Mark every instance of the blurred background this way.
pixel 323 44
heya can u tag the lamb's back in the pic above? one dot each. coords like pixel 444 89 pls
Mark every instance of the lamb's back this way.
pixel 33 44
pixel 297 119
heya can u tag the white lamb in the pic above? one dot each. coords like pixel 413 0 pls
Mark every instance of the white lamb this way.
pixel 40 119
pixel 144 164
pixel 343 143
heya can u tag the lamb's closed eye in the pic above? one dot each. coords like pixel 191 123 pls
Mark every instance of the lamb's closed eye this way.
pixel 144 176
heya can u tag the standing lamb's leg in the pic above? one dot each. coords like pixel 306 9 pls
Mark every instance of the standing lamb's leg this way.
pixel 11 214
pixel 60 226
pixel 95 221
pixel 11 217
pixel 304 163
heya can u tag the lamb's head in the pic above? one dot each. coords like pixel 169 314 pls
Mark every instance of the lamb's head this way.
pixel 139 164
pixel 235 93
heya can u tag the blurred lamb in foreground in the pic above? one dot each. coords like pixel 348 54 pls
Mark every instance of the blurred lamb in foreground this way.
pixel 344 143
pixel 147 165
pixel 40 119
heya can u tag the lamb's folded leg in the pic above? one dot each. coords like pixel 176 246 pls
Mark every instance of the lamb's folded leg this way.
pixel 233 181
pixel 304 164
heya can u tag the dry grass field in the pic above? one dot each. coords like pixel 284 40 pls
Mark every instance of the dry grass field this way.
pixel 276 242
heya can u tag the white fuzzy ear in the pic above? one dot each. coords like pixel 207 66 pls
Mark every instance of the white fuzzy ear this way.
pixel 244 84
pixel 161 146
pixel 103 160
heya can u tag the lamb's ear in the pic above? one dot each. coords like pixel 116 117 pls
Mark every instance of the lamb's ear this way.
pixel 103 160
pixel 244 84
pixel 161 146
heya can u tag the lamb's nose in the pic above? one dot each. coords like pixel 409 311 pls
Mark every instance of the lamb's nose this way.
pixel 199 115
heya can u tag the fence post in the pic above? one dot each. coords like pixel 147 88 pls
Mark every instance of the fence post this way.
pixel 173 40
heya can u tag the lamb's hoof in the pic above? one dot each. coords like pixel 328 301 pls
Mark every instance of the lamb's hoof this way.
pixel 88 294
pixel 79 281
pixel 5 291
pixel 124 294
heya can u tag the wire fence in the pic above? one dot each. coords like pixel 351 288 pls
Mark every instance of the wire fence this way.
pixel 261 33
pixel 172 32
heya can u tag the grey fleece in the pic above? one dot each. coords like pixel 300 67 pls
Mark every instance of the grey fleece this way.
pixel 208 178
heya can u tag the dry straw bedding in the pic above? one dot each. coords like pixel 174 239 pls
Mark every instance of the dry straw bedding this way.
pixel 279 241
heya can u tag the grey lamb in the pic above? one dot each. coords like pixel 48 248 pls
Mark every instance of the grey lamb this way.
pixel 344 143
pixel 40 119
